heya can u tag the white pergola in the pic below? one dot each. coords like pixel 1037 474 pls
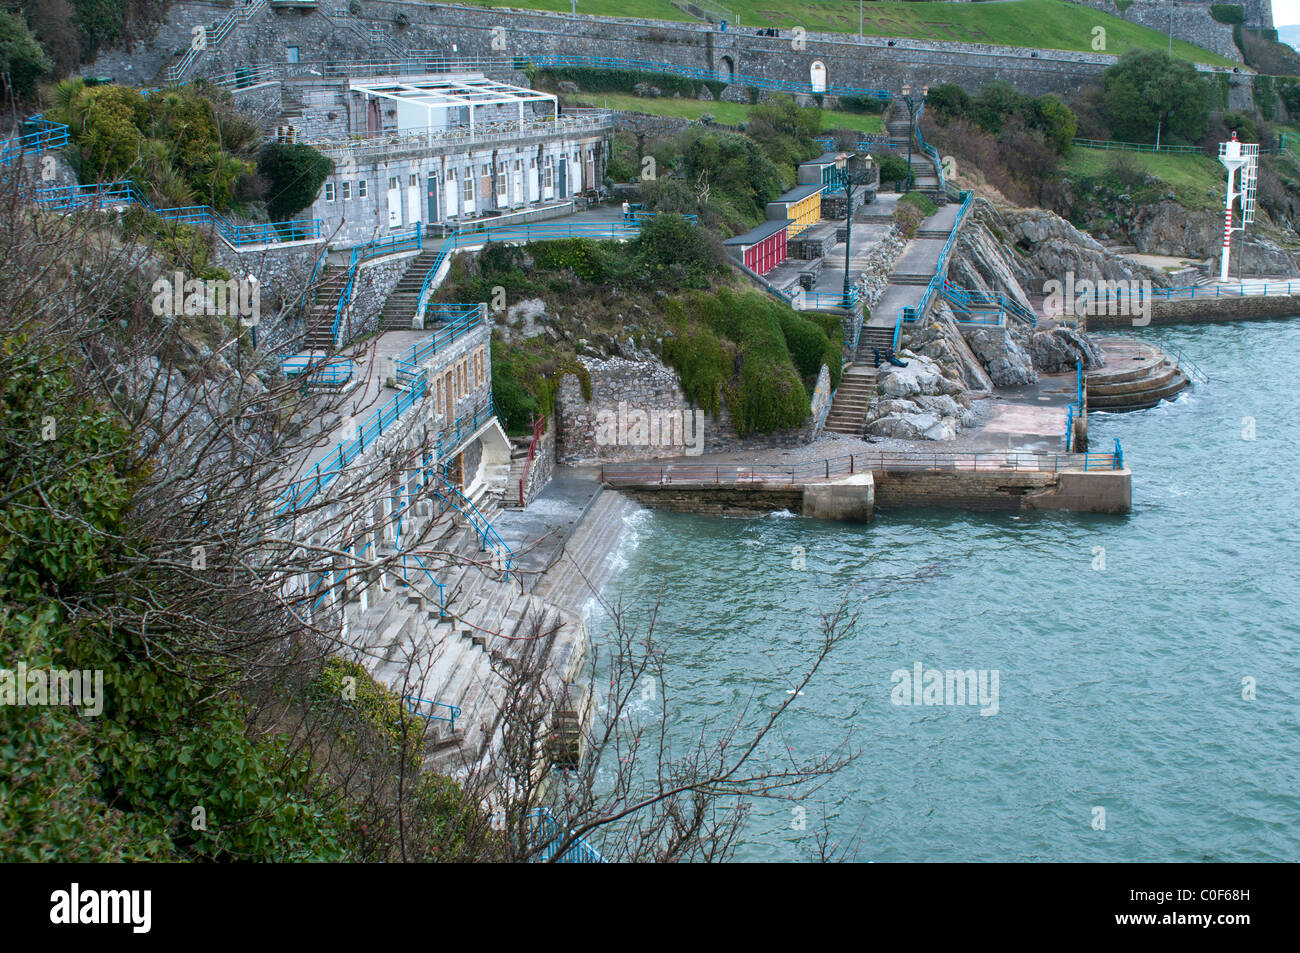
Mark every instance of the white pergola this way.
pixel 443 93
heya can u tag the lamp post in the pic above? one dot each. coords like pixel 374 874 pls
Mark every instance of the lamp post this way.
pixel 913 104
pixel 845 178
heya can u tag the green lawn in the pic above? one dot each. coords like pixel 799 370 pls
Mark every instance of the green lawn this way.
pixel 1191 177
pixel 1046 24
pixel 730 114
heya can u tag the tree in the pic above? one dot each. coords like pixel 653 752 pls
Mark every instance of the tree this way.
pixel 294 173
pixel 22 61
pixel 947 101
pixel 1146 93
pixel 1054 121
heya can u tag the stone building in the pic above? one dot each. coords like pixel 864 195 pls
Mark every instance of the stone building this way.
pixel 443 150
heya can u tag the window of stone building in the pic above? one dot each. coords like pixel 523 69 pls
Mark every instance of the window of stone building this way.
pixel 361 188
pixel 329 192
pixel 548 172
pixel 469 186
pixel 502 184
pixel 393 183
pixel 347 191
pixel 291 54
pixel 413 179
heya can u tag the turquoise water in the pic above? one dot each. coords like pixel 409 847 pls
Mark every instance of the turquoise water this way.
pixel 1118 688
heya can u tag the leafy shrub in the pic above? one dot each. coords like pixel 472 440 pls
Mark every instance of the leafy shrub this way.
pixel 947 101
pixel 175 143
pixel 1227 13
pixel 810 347
pixel 672 251
pixel 893 167
pixel 22 60
pixel 294 173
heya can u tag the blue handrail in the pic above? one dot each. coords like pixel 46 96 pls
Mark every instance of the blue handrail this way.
pixel 45 135
pixel 413 703
pixel 124 192
pixel 548 834
pixel 910 315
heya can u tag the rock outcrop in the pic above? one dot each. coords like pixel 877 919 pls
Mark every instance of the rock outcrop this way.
pixel 938 338
pixel 1007 363
pixel 1060 348
pixel 920 402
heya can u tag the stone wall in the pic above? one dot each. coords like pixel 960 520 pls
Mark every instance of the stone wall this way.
pixel 542 466
pixel 375 281
pixel 447 30
pixel 1207 310
pixel 1191 21
pixel 621 387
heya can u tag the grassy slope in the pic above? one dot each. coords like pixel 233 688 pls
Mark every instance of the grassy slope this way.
pixel 730 114
pixel 1046 24
pixel 1192 178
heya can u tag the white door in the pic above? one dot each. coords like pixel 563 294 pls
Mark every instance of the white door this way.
pixel 534 181
pixel 517 187
pixel 412 204
pixel 453 198
pixel 394 208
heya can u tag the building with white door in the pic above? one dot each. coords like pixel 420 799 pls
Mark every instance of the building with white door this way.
pixel 448 149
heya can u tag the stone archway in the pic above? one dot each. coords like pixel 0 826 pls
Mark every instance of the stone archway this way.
pixel 726 69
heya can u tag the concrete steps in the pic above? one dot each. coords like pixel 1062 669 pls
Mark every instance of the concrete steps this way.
pixel 853 399
pixel 399 308
pixel 319 321
pixel 1135 390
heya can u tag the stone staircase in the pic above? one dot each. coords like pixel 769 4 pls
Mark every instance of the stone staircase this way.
pixel 462 656
pixel 925 177
pixel 853 399
pixel 1137 388
pixel 873 337
pixel 518 459
pixel 291 106
pixel 319 320
pixel 399 309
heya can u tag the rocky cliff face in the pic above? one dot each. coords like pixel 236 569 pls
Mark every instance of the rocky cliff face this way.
pixel 1052 248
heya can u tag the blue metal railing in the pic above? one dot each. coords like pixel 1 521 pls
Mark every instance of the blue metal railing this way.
pixel 419 564
pixel 547 834
pixel 460 319
pixel 1076 408
pixel 42 135
pixel 327 470
pixel 65 198
pixel 410 241
pixel 413 703
pixel 910 315
pixel 928 150
pixel 985 303
pixel 331 373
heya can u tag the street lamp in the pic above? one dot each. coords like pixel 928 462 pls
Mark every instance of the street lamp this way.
pixel 912 106
pixel 845 178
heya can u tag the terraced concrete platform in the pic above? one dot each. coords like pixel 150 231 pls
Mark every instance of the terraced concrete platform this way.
pixel 1133 376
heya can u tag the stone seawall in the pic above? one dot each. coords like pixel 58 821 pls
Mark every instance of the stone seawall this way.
pixel 1207 310
pixel 856 498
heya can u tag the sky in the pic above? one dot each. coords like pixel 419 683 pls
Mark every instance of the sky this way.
pixel 1286 12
